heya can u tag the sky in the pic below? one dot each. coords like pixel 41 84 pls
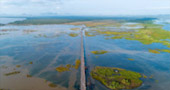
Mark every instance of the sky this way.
pixel 83 7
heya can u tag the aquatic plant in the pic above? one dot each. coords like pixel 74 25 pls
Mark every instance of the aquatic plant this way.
pixel 130 59
pixel 151 76
pixel 4 33
pixel 29 76
pixel 62 69
pixel 69 66
pixel 30 62
pixel 154 51
pixel 73 34
pixel 117 78
pixel 52 85
pixel 12 73
pixel 4 67
pixel 156 81
pixel 87 33
pixel 164 50
pixel 157 51
pixel 75 28
pixel 150 33
pixel 144 76
pixel 99 52
pixel 18 66
pixel 77 64
pixel 97 56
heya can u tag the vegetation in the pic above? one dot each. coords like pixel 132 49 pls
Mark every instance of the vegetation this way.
pixel 63 68
pixel 154 51
pixel 68 66
pixel 12 73
pixel 75 29
pixel 30 62
pixel 29 76
pixel 164 50
pixel 157 51
pixel 73 34
pixel 99 52
pixel 116 78
pixel 3 33
pixel 130 59
pixel 29 31
pixel 144 76
pixel 77 64
pixel 150 33
pixel 89 34
pixel 40 21
pixel 52 85
pixel 18 66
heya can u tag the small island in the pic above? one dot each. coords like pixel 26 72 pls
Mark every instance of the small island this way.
pixel 99 52
pixel 117 78
pixel 69 66
pixel 73 34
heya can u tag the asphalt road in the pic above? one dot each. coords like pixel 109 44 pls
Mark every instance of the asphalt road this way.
pixel 83 77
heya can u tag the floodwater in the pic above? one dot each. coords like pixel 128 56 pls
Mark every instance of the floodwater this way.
pixel 155 66
pixel 38 50
pixel 35 51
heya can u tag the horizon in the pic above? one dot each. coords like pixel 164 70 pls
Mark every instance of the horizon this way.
pixel 83 8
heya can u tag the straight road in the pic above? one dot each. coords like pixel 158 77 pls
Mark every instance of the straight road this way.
pixel 83 77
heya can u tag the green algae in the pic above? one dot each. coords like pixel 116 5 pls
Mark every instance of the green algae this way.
pixel 73 34
pixel 150 33
pixel 69 66
pixel 4 67
pixel 62 69
pixel 97 56
pixel 154 51
pixel 164 50
pixel 156 81
pixel 77 64
pixel 75 28
pixel 89 34
pixel 116 78
pixel 52 85
pixel 30 62
pixel 130 59
pixel 144 76
pixel 99 52
pixel 18 66
pixel 28 76
pixel 157 51
pixel 151 76
pixel 12 73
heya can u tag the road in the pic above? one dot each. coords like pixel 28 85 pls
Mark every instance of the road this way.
pixel 83 77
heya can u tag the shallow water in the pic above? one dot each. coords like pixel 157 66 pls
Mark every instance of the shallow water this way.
pixel 39 49
pixel 47 47
pixel 119 50
pixel 9 20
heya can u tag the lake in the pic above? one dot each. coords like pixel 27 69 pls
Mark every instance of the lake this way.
pixel 45 56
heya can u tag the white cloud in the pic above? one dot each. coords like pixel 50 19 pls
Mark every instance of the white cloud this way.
pixel 31 7
pixel 84 7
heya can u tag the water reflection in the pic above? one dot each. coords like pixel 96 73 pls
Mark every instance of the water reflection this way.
pixel 29 56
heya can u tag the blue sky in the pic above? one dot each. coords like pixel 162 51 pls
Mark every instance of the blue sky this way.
pixel 84 7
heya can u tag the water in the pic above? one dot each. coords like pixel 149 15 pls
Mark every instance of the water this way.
pixel 51 46
pixel 156 65
pixel 47 47
pixel 10 20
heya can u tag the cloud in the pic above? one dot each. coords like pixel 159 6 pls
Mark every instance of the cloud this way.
pixel 84 7
pixel 29 7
